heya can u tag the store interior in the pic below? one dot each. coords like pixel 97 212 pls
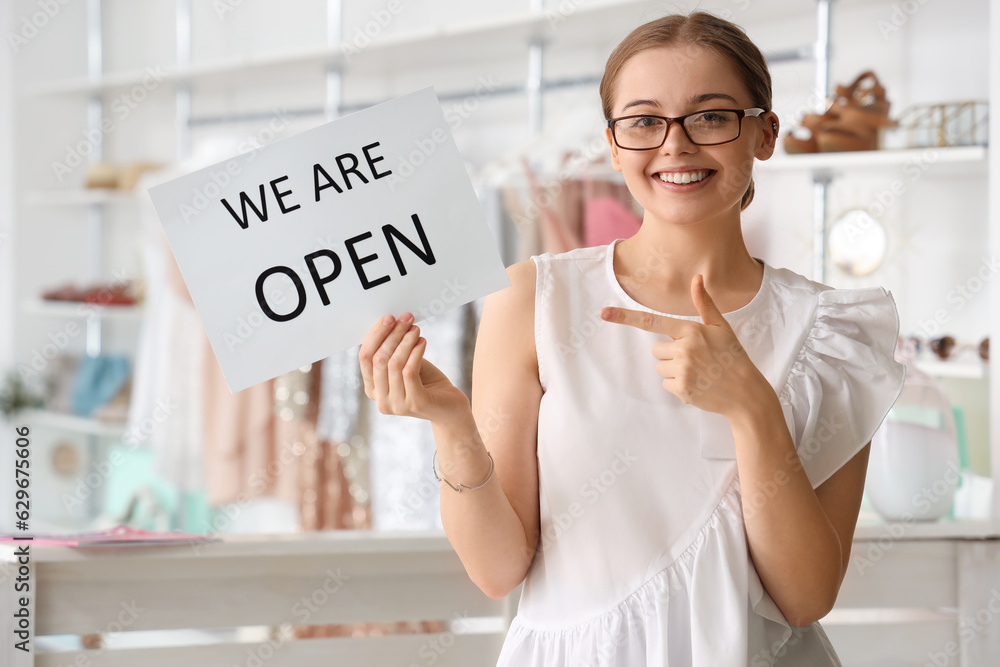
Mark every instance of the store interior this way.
pixel 106 358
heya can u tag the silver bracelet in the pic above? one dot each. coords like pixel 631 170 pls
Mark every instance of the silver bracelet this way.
pixel 460 485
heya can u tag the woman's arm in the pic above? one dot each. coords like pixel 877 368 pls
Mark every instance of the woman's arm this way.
pixel 494 529
pixel 800 539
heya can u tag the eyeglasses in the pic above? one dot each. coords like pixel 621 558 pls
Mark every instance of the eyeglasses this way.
pixel 709 127
pixel 947 348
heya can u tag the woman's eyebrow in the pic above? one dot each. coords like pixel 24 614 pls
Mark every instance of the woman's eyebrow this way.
pixel 636 103
pixel 697 99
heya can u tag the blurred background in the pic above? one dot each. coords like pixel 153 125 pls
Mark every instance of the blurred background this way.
pixel 106 360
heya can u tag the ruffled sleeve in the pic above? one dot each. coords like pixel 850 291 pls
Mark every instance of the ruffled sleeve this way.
pixel 844 379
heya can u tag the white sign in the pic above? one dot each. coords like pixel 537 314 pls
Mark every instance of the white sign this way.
pixel 292 252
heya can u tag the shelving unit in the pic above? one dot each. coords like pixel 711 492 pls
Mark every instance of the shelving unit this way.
pixel 90 208
pixel 68 422
pixel 972 370
pixel 938 161
pixel 79 197
pixel 495 38
pixel 958 160
pixel 64 309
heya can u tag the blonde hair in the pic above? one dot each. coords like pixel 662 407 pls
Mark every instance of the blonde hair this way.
pixel 701 29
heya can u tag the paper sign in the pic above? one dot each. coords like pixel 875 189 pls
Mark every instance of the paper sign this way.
pixel 292 252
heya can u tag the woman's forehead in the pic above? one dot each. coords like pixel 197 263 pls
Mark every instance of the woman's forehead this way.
pixel 678 75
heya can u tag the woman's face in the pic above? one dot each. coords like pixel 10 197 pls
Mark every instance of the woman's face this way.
pixel 674 81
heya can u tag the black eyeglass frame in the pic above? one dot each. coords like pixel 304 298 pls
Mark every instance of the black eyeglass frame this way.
pixel 741 113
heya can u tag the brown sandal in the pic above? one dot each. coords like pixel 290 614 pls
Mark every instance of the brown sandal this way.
pixel 861 111
pixel 809 129
pixel 851 123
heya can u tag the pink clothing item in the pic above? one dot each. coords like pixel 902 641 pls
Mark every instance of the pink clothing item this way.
pixel 606 218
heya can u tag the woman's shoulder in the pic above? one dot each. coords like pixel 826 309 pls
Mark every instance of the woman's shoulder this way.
pixel 521 291
pixel 596 252
pixel 790 286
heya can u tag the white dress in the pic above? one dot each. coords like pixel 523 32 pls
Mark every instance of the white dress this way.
pixel 643 558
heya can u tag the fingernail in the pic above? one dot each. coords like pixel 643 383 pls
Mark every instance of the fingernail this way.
pixel 387 319
pixel 406 317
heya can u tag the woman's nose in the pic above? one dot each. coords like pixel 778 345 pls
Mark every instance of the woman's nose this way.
pixel 677 140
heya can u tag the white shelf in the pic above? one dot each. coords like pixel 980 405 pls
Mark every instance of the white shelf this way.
pixel 944 528
pixel 442 45
pixel 955 369
pixel 599 23
pixel 74 423
pixel 79 197
pixel 951 160
pixel 80 309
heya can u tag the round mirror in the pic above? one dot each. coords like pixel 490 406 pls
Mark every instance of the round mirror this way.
pixel 857 242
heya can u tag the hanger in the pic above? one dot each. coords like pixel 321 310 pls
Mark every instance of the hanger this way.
pixel 578 133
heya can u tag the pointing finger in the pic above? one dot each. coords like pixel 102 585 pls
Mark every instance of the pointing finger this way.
pixel 710 313
pixel 640 319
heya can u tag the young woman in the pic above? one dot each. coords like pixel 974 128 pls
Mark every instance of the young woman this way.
pixel 668 438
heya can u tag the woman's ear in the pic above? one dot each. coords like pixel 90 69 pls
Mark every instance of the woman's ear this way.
pixel 769 136
pixel 614 149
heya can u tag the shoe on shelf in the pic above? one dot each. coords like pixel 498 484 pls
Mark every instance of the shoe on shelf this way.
pixel 67 292
pixel 803 138
pixel 851 122
pixel 862 110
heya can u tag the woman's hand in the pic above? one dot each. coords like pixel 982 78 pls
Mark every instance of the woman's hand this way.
pixel 704 365
pixel 400 380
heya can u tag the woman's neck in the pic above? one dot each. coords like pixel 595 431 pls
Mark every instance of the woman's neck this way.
pixel 657 264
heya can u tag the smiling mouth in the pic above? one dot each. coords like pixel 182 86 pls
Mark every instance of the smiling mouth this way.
pixel 685 177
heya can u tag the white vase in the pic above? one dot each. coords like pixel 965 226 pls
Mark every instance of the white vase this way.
pixel 913 471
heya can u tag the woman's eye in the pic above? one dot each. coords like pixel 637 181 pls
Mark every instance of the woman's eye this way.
pixel 645 121
pixel 711 117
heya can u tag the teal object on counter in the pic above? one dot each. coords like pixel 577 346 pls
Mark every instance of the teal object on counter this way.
pixel 917 414
pixel 963 444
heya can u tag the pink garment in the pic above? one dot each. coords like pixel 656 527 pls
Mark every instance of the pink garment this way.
pixel 606 218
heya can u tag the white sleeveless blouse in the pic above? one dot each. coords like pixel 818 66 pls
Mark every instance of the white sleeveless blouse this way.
pixel 643 558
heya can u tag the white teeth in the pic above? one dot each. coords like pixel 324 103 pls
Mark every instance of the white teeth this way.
pixel 682 177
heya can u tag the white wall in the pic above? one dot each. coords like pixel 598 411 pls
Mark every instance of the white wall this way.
pixel 7 322
pixel 6 193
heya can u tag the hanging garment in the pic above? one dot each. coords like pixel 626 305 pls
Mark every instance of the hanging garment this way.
pixel 405 494
pixel 605 219
pixel 165 407
pixel 204 437
pixel 643 556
